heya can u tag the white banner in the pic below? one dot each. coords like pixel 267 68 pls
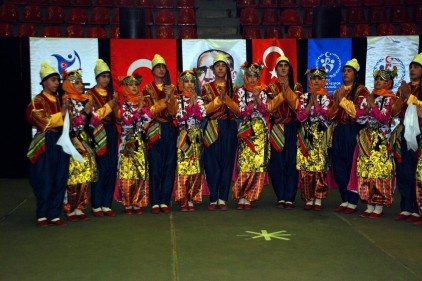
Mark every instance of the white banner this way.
pixel 200 53
pixel 63 54
pixel 388 52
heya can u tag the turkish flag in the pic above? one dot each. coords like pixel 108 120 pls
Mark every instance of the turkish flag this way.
pixel 133 56
pixel 267 51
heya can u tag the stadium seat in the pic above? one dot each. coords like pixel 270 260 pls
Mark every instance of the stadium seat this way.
pixel 372 2
pixel 350 3
pixel 417 13
pixel 399 14
pixel 104 3
pixel 273 32
pixel 344 31
pixel 144 4
pixel 240 4
pixel 268 3
pixel 28 30
pixel 165 17
pixel 393 2
pixel 32 13
pixel 51 31
pixel 186 16
pixel 82 3
pixel 310 3
pixel 408 28
pixel 163 4
pixel 115 17
pixel 288 3
pixel 62 3
pixel 307 17
pixel 356 15
pixel 75 31
pixel 187 32
pixel 149 18
pixel 96 32
pixel 18 2
pixel 8 13
pixel 362 30
pixel 185 4
pixel 329 3
pixel 124 3
pixel 55 14
pixel 165 32
pixel 270 17
pixel 148 32
pixel 249 16
pixel 99 15
pixel 115 32
pixel 385 28
pixel 77 15
pixel 378 14
pixel 251 32
pixel 39 2
pixel 290 17
pixel 295 31
pixel 6 29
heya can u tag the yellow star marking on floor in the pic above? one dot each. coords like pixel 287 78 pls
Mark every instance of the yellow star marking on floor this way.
pixel 282 235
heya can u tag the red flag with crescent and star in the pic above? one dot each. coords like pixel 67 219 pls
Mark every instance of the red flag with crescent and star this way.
pixel 133 56
pixel 267 51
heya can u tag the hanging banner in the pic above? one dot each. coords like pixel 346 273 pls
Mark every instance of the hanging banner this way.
pixel 331 54
pixel 266 51
pixel 63 54
pixel 390 52
pixel 199 54
pixel 134 56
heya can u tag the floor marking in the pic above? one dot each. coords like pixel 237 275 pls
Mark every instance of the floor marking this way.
pixel 281 235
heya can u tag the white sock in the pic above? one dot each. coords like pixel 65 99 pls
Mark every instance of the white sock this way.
pixel 246 202
pixel 405 213
pixel 55 219
pixel 318 202
pixel 288 202
pixel 79 212
pixel 351 206
pixel 190 203
pixel 128 207
pixel 96 209
pixel 105 209
pixel 136 207
pixel 155 206
pixel 242 201
pixel 369 208
pixel 415 215
pixel 310 202
pixel 163 206
pixel 42 219
pixel 221 202
pixel 213 203
pixel 281 201
pixel 378 209
pixel 344 204
pixel 71 214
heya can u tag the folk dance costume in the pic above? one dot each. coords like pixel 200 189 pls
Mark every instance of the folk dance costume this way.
pixel 253 148
pixel 162 137
pixel 283 135
pixel 49 168
pixel 220 133
pixel 314 139
pixel 374 162
pixel 133 178
pixel 190 179
pixel 81 173
pixel 405 156
pixel 347 100
pixel 102 99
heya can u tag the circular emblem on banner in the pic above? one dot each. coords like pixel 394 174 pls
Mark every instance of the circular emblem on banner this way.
pixel 388 63
pixel 331 62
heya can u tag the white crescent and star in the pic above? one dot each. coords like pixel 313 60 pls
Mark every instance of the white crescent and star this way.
pixel 269 50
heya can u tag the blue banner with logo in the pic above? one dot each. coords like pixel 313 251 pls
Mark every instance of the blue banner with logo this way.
pixel 331 54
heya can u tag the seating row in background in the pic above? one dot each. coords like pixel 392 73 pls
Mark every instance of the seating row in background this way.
pixel 314 3
pixel 109 3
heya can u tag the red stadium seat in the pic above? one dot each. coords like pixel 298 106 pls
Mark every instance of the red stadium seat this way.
pixel 28 30
pixel 144 4
pixel 362 30
pixel 165 32
pixel 186 16
pixel 273 32
pixel 251 32
pixel 288 3
pixel 187 32
pixel 51 31
pixel 185 4
pixel 96 32
pixel 399 14
pixel 356 15
pixel 372 2
pixel 329 3
pixel 124 3
pixel 245 3
pixel 295 32
pixel 100 15
pixel 344 31
pixel 290 17
pixel 249 16
pixel 63 3
pixel 6 29
pixel 393 2
pixel 115 18
pixel 8 13
pixel 77 15
pixel 104 3
pixel 149 18
pixel 270 17
pixel 351 3
pixel 32 13
pixel 384 29
pixel 163 4
pixel 310 3
pixel 115 32
pixel 307 17
pixel 39 2
pixel 18 2
pixel 165 17
pixel 75 31
pixel 408 28
pixel 82 3
pixel 268 3
pixel 55 14
pixel 378 14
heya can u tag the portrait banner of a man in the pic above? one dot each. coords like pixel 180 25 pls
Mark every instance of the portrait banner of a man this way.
pixel 200 53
